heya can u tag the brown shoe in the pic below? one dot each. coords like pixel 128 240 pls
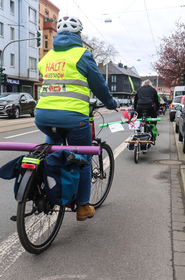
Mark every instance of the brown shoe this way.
pixel 84 212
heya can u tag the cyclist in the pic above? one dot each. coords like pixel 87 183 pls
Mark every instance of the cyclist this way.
pixel 146 99
pixel 69 73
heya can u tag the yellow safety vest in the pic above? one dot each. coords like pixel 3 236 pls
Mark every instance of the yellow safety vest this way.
pixel 63 87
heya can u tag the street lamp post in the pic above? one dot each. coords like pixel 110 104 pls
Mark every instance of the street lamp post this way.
pixel 107 72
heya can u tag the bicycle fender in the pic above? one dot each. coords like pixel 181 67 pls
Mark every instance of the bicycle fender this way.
pixel 23 184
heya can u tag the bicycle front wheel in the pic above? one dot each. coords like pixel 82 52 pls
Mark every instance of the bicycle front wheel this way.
pixel 38 221
pixel 101 179
pixel 136 153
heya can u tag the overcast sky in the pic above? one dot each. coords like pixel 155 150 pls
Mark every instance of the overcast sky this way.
pixel 136 27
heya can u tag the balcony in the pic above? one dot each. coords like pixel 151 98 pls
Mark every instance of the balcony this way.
pixel 50 23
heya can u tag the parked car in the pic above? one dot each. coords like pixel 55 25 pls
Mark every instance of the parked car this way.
pixel 178 109
pixel 172 108
pixel 16 104
pixel 182 128
pixel 98 102
pixel 124 102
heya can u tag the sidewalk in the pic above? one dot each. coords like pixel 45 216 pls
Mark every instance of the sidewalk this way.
pixel 178 214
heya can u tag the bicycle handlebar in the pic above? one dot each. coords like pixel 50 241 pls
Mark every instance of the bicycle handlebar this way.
pixel 17 146
pixel 148 119
pixel 107 124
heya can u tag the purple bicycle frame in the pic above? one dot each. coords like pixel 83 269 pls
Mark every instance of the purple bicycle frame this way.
pixel 18 146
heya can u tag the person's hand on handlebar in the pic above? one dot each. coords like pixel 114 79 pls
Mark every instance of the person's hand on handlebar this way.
pixel 118 106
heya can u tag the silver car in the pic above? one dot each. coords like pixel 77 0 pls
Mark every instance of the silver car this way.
pixel 178 109
pixel 172 108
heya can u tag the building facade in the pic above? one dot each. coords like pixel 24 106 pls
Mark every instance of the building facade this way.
pixel 18 52
pixel 48 17
pixel 117 77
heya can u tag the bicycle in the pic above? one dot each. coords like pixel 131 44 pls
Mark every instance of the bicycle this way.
pixel 102 165
pixel 38 221
pixel 143 137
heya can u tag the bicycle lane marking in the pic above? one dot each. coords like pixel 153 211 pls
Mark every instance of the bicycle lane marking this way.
pixel 21 134
pixel 120 148
pixel 65 276
pixel 11 249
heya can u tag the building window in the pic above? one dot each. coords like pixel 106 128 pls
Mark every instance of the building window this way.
pixel 32 64
pixel 113 82
pixel 1 29
pixel 46 15
pixel 1 4
pixel 32 42
pixel 46 41
pixel 12 60
pixel 32 15
pixel 11 7
pixel 113 87
pixel 12 33
pixel 113 78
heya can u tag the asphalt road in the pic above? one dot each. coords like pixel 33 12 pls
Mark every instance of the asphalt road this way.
pixel 131 235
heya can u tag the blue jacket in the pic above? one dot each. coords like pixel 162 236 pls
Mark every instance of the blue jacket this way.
pixel 88 68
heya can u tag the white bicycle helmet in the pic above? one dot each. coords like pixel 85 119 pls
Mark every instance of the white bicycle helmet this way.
pixel 69 23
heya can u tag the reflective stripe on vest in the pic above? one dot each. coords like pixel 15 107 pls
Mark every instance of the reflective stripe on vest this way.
pixel 64 87
pixel 69 94
pixel 68 81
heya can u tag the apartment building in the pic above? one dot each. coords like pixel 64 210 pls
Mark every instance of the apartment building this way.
pixel 18 52
pixel 19 55
pixel 48 17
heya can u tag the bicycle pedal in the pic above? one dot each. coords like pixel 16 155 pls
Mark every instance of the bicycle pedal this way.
pixel 13 218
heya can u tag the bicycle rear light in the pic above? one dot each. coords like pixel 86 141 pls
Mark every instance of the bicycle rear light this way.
pixel 28 166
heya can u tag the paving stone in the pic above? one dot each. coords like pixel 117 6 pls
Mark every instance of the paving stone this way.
pixel 178 235
pixel 176 204
pixel 179 259
pixel 179 272
pixel 177 191
pixel 179 246
pixel 176 199
pixel 179 226
pixel 178 218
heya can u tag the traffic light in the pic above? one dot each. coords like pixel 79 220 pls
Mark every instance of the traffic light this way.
pixel 39 38
pixel 183 76
pixel 3 76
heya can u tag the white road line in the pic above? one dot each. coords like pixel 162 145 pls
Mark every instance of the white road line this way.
pixel 10 251
pixel 17 135
pixel 120 148
pixel 65 276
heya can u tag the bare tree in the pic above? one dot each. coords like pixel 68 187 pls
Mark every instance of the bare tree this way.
pixel 171 56
pixel 103 52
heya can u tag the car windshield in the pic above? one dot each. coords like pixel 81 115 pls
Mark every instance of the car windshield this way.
pixel 180 92
pixel 177 99
pixel 9 97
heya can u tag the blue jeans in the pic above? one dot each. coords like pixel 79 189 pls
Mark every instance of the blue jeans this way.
pixel 77 136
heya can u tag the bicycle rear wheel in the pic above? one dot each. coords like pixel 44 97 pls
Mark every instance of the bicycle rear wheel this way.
pixel 38 221
pixel 101 183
